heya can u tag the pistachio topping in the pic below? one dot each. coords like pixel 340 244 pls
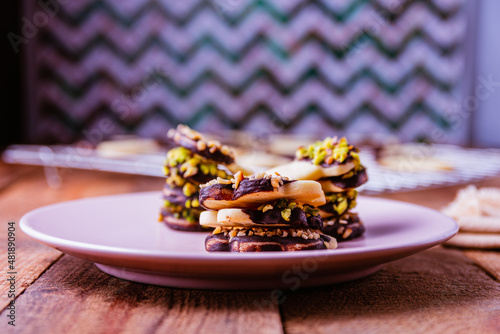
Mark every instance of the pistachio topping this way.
pixel 174 179
pixel 286 213
pixel 328 151
pixel 340 202
pixel 190 164
pixel 284 204
pixel 265 207
pixel 190 214
pixel 189 189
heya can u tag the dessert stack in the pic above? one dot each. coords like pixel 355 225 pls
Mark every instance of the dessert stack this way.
pixel 263 212
pixel 194 161
pixel 336 166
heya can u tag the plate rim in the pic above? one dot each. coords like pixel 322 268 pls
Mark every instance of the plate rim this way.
pixel 113 252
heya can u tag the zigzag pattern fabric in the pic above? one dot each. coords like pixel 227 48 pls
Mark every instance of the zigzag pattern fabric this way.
pixel 317 66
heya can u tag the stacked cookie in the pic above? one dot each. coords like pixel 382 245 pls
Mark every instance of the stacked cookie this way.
pixel 264 212
pixel 194 160
pixel 336 166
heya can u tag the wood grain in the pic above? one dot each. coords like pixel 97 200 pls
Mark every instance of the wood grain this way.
pixel 73 296
pixel 438 291
pixel 27 189
pixel 488 260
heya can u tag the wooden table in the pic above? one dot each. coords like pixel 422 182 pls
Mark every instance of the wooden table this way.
pixel 441 290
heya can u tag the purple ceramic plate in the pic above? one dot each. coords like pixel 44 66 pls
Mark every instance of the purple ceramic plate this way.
pixel 122 236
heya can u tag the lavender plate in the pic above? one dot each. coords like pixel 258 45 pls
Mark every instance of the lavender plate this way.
pixel 122 236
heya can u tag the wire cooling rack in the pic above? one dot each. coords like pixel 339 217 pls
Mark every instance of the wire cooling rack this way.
pixel 410 171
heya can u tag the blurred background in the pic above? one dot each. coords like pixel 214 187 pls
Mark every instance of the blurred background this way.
pixel 377 71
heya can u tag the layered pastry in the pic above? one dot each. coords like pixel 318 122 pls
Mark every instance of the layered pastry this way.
pixel 194 161
pixel 336 166
pixel 263 212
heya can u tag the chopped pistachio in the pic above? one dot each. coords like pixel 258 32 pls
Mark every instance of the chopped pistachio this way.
pixel 189 189
pixel 319 158
pixel 222 174
pixel 213 169
pixel 177 156
pixel 348 175
pixel 266 207
pixel 204 169
pixel 326 151
pixel 281 203
pixel 341 207
pixel 310 210
pixel 286 213
pixel 356 161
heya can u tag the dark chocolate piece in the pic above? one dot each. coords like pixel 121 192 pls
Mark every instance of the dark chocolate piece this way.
pixel 298 218
pixel 182 224
pixel 176 196
pixel 218 192
pixel 343 232
pixel 250 186
pixel 219 242
pixel 358 179
pixel 225 192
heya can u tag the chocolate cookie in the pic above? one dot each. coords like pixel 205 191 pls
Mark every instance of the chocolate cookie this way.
pixel 179 217
pixel 197 143
pixel 183 165
pixel 243 242
pixel 251 192
pixel 177 196
pixel 351 180
pixel 289 215
pixel 181 224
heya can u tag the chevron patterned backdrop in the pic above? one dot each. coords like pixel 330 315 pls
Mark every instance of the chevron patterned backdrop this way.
pixel 104 67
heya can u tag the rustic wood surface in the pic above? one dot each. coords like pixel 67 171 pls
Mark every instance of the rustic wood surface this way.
pixel 440 290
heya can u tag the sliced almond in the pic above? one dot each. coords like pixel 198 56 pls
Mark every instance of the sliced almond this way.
pixel 230 218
